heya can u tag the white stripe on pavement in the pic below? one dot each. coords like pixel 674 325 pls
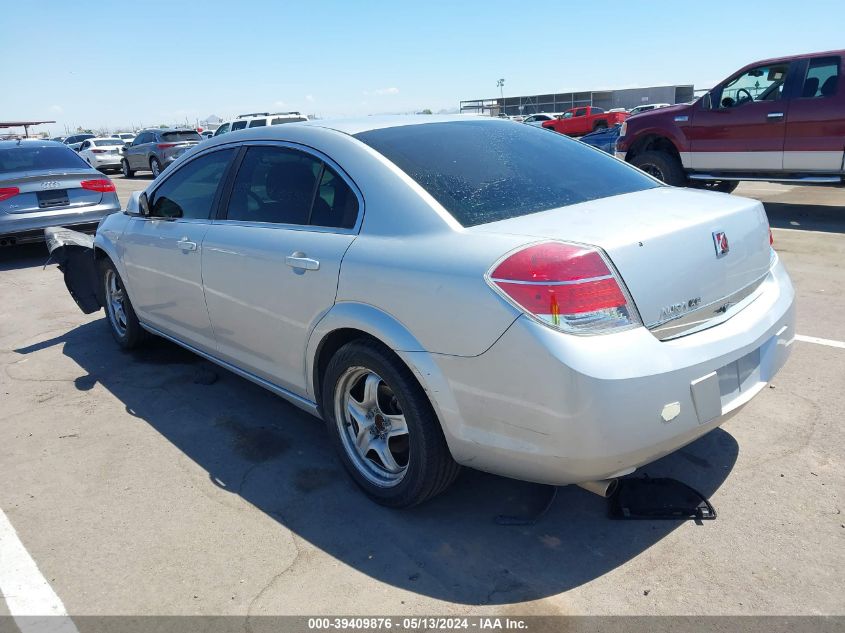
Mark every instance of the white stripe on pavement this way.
pixel 820 341
pixel 29 597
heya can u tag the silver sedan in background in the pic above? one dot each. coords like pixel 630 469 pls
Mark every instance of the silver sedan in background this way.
pixel 44 183
pixel 448 291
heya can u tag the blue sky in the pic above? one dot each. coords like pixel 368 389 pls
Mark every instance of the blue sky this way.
pixel 146 62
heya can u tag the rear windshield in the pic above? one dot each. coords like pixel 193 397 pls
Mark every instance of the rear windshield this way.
pixel 180 137
pixel 108 141
pixel 23 158
pixel 484 171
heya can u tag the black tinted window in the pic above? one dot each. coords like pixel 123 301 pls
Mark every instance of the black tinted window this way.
pixel 335 204
pixel 180 137
pixel 189 192
pixel 483 171
pixel 238 125
pixel 822 77
pixel 21 157
pixel 274 185
pixel 258 123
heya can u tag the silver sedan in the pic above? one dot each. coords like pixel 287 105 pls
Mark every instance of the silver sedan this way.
pixel 44 183
pixel 454 291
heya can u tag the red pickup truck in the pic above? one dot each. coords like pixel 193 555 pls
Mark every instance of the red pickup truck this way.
pixel 779 120
pixel 579 121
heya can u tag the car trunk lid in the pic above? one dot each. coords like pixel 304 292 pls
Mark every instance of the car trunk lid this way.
pixel 41 190
pixel 668 246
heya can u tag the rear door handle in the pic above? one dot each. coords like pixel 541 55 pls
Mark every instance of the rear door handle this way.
pixel 299 260
pixel 186 245
pixel 774 115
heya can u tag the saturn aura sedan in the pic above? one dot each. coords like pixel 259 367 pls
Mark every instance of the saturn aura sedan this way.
pixel 454 291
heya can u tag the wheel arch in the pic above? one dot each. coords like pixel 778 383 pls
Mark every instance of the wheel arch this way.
pixel 653 142
pixel 348 321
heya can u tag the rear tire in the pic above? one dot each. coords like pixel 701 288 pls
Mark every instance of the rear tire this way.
pixel 663 166
pixel 124 167
pixel 600 125
pixel 120 315
pixel 155 167
pixel 373 406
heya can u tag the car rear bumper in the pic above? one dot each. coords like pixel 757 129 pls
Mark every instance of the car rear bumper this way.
pixel 29 227
pixel 554 408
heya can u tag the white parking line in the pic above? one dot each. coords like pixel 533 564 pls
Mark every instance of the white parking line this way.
pixel 29 597
pixel 820 341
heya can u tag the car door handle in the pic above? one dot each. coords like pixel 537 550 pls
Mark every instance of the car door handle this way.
pixel 774 115
pixel 186 245
pixel 299 260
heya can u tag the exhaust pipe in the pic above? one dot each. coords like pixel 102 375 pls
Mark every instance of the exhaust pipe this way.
pixel 602 487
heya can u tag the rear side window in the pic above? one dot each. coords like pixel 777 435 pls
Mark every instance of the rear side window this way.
pixel 258 123
pixel 284 186
pixel 484 171
pixel 274 185
pixel 180 137
pixel 189 192
pixel 822 78
pixel 280 120
pixel 23 158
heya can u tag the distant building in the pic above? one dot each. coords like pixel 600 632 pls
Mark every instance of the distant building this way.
pixel 559 102
pixel 211 122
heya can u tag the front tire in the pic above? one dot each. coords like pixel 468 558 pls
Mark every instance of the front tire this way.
pixel 383 427
pixel 124 167
pixel 120 315
pixel 663 166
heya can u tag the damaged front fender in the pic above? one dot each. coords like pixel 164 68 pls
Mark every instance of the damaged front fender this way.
pixel 74 252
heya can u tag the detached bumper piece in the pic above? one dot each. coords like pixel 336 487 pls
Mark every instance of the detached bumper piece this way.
pixel 74 252
pixel 659 498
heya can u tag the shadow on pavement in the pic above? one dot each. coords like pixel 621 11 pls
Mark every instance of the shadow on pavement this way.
pixel 23 256
pixel 806 217
pixel 277 458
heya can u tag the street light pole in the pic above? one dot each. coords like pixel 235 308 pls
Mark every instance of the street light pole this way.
pixel 501 86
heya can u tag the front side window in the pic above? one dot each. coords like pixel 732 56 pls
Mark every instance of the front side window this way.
pixel 484 171
pixel 822 78
pixel 764 83
pixel 189 192
pixel 222 129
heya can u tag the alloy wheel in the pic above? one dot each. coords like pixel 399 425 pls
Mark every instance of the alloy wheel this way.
pixel 372 426
pixel 116 302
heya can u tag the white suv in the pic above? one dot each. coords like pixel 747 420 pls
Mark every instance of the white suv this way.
pixel 259 119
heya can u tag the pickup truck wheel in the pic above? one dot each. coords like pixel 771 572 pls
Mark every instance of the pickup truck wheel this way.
pixel 384 427
pixel 662 166
pixel 123 323
pixel 723 186
pixel 124 167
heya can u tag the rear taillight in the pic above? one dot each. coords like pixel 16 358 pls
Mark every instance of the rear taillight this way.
pixel 570 287
pixel 771 237
pixel 166 145
pixel 8 192
pixel 99 151
pixel 100 184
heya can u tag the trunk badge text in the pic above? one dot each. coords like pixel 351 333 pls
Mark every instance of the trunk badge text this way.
pixel 677 309
pixel 50 184
pixel 720 241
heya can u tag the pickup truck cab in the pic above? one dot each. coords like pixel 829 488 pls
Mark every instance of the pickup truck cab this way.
pixel 583 120
pixel 778 120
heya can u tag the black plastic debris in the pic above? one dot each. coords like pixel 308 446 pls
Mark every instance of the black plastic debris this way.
pixel 659 498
